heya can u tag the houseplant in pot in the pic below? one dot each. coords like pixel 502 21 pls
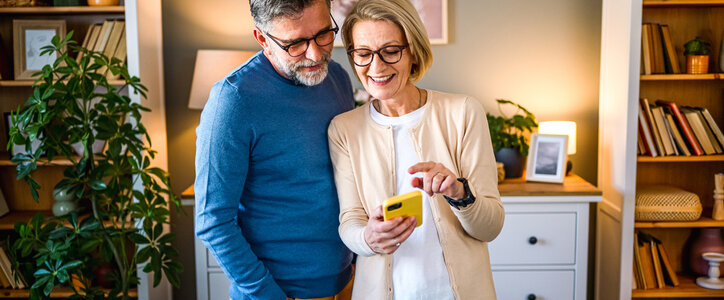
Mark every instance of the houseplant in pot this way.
pixel 123 201
pixel 509 137
pixel 697 55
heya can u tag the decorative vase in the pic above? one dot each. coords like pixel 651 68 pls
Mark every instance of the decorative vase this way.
pixel 513 162
pixel 103 2
pixel 709 240
pixel 63 202
pixel 697 64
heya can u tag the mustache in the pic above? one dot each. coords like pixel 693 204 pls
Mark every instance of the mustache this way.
pixel 310 63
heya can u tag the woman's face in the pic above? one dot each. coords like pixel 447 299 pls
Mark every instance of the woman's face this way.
pixel 383 81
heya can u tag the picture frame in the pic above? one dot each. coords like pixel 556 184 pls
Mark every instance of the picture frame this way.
pixel 29 36
pixel 432 12
pixel 547 157
pixel 18 148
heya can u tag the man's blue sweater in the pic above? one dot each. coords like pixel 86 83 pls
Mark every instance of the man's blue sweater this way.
pixel 266 204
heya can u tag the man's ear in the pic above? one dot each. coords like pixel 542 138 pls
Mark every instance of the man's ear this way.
pixel 262 40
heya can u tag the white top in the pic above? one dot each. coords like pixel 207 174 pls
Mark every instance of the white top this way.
pixel 418 266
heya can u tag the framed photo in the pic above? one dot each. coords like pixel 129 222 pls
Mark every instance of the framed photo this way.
pixel 547 158
pixel 18 148
pixel 28 37
pixel 432 12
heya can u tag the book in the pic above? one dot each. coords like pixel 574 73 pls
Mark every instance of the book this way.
pixel 669 271
pixel 113 40
pixel 659 67
pixel 645 132
pixel 670 50
pixel 680 143
pixel 119 54
pixel 712 124
pixel 647 264
pixel 698 128
pixel 709 131
pixel 637 263
pixel 105 32
pixel 646 49
pixel 660 121
pixel 88 34
pixel 652 126
pixel 7 271
pixel 657 265
pixel 93 33
pixel 683 126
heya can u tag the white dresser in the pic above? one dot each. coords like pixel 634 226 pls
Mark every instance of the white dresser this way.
pixel 542 251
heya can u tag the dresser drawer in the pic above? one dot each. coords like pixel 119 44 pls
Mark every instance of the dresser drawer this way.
pixel 544 285
pixel 535 239
pixel 210 260
pixel 218 286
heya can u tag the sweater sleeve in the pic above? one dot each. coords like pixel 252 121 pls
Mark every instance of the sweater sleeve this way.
pixel 222 149
pixel 352 217
pixel 483 219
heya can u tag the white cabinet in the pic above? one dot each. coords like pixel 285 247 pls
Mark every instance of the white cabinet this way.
pixel 542 251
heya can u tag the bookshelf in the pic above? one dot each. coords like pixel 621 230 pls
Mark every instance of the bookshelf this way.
pixel 621 170
pixel 141 33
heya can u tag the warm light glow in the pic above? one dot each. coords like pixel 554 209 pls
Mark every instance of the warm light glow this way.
pixel 210 67
pixel 561 127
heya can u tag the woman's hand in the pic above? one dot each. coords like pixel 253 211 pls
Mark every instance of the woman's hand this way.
pixel 437 179
pixel 384 237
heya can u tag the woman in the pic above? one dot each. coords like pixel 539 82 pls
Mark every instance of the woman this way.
pixel 411 138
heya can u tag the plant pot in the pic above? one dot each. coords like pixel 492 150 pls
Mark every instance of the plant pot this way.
pixel 513 162
pixel 697 64
pixel 103 2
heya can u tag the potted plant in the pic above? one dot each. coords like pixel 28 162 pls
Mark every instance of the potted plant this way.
pixel 508 134
pixel 123 200
pixel 697 56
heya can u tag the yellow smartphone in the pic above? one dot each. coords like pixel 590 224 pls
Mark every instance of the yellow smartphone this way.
pixel 405 205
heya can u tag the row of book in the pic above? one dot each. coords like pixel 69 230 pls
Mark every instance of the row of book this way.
pixel 651 268
pixel 668 129
pixel 658 55
pixel 9 279
pixel 108 38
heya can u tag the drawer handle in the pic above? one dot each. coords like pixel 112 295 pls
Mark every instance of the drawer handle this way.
pixel 531 297
pixel 532 240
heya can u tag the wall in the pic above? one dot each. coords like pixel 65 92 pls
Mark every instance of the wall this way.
pixel 541 54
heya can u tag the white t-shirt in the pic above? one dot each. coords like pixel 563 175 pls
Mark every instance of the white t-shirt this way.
pixel 418 266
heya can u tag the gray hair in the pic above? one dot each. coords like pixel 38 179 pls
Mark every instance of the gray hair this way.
pixel 265 11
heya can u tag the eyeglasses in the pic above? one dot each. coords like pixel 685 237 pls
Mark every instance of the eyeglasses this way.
pixel 362 57
pixel 299 46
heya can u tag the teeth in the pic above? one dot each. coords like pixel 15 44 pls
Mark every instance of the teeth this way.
pixel 380 79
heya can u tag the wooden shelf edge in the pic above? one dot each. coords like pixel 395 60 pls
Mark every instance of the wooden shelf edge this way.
pixel 702 222
pixel 664 77
pixel 62 9
pixel 647 3
pixel 678 158
pixel 62 292
pixel 686 289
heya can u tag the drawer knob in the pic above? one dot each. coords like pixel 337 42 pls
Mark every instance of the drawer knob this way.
pixel 531 296
pixel 532 240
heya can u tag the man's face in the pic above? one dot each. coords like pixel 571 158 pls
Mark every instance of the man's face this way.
pixel 310 68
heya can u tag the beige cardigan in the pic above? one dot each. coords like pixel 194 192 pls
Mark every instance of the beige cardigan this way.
pixel 453 130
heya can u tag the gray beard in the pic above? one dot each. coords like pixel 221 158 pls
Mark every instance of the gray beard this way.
pixel 306 78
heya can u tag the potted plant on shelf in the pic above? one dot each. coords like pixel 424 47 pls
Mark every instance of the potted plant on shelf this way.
pixel 697 56
pixel 509 137
pixel 126 200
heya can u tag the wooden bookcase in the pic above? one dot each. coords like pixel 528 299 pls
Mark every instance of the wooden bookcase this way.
pixel 16 92
pixel 686 20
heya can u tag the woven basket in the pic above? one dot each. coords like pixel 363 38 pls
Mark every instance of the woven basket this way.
pixel 666 203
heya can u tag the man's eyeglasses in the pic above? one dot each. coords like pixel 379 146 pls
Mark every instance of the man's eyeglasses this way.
pixel 389 54
pixel 299 46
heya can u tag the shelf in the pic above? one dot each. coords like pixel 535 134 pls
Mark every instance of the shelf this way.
pixel 60 292
pixel 661 77
pixel 7 222
pixel 702 222
pixel 687 289
pixel 62 10
pixel 17 83
pixel 648 3
pixel 677 158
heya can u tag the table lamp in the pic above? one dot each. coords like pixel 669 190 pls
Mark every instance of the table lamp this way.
pixel 565 128
pixel 210 67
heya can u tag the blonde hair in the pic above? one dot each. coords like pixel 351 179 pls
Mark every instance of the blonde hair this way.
pixel 402 14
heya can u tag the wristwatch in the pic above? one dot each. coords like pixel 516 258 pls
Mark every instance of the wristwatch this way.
pixel 465 201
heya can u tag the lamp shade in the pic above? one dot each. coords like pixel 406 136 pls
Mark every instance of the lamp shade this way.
pixel 561 127
pixel 210 67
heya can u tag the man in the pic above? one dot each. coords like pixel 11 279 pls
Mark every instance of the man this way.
pixel 266 205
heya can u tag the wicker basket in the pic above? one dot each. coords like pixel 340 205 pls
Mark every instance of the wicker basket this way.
pixel 666 203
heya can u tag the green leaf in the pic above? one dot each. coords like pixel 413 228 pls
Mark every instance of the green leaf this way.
pixel 98 185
